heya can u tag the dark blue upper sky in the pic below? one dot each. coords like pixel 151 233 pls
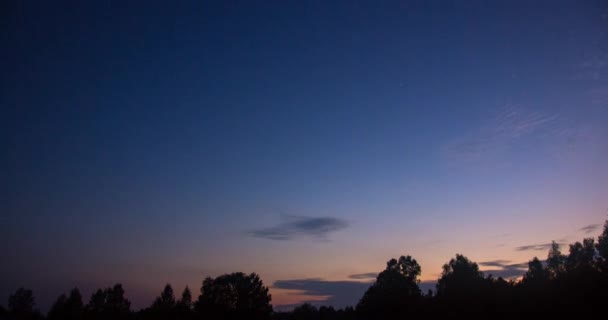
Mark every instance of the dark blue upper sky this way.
pixel 153 136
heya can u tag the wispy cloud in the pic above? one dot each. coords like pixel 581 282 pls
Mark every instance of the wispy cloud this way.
pixel 364 276
pixel 590 228
pixel 501 132
pixel 536 247
pixel 593 67
pixel 318 227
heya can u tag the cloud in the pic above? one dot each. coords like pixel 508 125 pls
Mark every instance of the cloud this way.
pixel 593 67
pixel 318 227
pixel 494 263
pixel 506 273
pixel 336 293
pixel 590 228
pixel 507 269
pixel 504 131
pixel 537 247
pixel 364 276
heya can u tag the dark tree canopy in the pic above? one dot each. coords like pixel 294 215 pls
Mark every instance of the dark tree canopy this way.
pixel 395 291
pixel 185 302
pixel 582 255
pixel 234 296
pixel 556 261
pixel 166 300
pixel 460 276
pixel 536 274
pixel 67 307
pixel 21 305
pixel 108 303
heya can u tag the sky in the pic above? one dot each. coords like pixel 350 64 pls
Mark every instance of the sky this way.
pixel 307 141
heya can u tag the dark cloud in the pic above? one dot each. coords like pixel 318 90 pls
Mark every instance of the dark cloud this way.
pixel 494 263
pixel 537 247
pixel 319 227
pixel 507 270
pixel 364 276
pixel 506 273
pixel 590 228
pixel 338 293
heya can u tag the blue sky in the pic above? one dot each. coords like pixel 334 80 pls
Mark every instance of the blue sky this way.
pixel 148 143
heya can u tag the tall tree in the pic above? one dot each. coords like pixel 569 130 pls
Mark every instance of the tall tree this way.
pixel 166 300
pixel 556 261
pixel 582 255
pixel 602 247
pixel 74 306
pixel 536 275
pixel 234 296
pixel 109 303
pixel 462 285
pixel 21 305
pixel 183 307
pixel 395 291
pixel 67 307
pixel 58 309
pixel 186 299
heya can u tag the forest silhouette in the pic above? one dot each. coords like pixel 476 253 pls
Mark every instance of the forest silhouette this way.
pixel 576 282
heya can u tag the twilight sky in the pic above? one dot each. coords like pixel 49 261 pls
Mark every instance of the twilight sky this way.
pixel 309 142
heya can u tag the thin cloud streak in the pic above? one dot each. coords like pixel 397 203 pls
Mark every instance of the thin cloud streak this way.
pixel 590 228
pixel 364 276
pixel 507 269
pixel 535 247
pixel 317 227
pixel 503 132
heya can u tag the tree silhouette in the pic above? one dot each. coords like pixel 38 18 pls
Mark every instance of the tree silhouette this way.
pixel 69 308
pixel 21 305
pixel 166 300
pixel 109 303
pixel 457 277
pixel 234 296
pixel 602 248
pixel 305 311
pixel 581 255
pixel 556 261
pixel 536 274
pixel 395 291
pixel 183 307
pixel 462 285
pixel 186 299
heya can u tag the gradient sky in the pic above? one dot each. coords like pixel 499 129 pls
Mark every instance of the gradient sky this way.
pixel 148 143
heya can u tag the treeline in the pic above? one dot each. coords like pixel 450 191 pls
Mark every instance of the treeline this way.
pixel 576 282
